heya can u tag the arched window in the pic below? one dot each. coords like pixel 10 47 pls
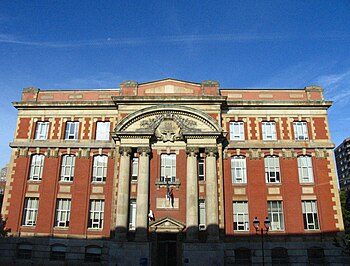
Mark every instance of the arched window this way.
pixel 67 167
pixel 58 252
pixel 279 256
pixel 36 167
pixel 93 254
pixel 272 169
pixel 99 171
pixel 238 169
pixel 305 169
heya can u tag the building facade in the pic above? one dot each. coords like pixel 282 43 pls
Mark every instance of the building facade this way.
pixel 171 172
pixel 342 158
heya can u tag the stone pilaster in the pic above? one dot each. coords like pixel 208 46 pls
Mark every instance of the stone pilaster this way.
pixel 212 211
pixel 142 194
pixel 123 194
pixel 192 195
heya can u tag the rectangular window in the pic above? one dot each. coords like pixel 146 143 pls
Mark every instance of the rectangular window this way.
pixel 269 130
pixel 275 212
pixel 30 211
pixel 300 131
pixel 272 169
pixel 67 167
pixel 168 167
pixel 236 131
pixel 72 129
pixel 42 130
pixel 240 216
pixel 132 214
pixel 238 169
pixel 62 212
pixel 102 130
pixel 202 215
pixel 134 169
pixel 99 171
pixel 201 169
pixel 310 215
pixel 305 169
pixel 36 167
pixel 96 214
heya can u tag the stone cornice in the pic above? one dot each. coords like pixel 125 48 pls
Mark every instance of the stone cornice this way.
pixel 62 144
pixel 247 104
pixel 279 145
pixel 103 104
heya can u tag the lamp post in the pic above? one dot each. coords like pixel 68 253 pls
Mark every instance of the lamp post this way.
pixel 267 224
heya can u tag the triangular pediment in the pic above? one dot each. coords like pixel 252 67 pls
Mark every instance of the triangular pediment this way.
pixel 169 86
pixel 167 224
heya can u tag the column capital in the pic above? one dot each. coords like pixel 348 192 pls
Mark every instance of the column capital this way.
pixel 211 151
pixel 192 151
pixel 144 150
pixel 126 151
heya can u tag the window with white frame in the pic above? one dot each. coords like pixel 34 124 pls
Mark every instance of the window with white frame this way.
pixel 240 216
pixel 275 213
pixel 272 169
pixel 310 215
pixel 99 171
pixel 96 214
pixel 41 130
pixel 134 168
pixel 36 167
pixel 305 169
pixel 236 131
pixel 168 167
pixel 102 130
pixel 238 169
pixel 269 130
pixel 201 169
pixel 202 215
pixel 132 214
pixel 67 167
pixel 72 129
pixel 300 131
pixel 62 212
pixel 30 211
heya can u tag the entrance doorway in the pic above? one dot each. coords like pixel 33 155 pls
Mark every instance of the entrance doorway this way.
pixel 167 249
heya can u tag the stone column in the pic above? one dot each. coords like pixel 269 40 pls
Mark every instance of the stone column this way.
pixel 123 194
pixel 142 194
pixel 192 195
pixel 212 203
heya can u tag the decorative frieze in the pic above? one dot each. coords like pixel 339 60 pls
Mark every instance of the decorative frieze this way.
pixel 288 153
pixel 22 152
pixel 321 153
pixel 84 153
pixel 255 154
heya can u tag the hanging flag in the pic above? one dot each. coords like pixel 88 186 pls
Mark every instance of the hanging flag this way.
pixel 167 189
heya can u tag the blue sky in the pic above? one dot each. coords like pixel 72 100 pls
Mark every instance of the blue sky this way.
pixel 242 44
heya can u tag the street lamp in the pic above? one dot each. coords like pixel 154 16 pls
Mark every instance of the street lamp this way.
pixel 267 224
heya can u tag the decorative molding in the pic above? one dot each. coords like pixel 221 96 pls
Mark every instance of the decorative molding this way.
pixel 126 151
pixel 52 152
pixel 22 152
pixel 288 153
pixel 255 154
pixel 84 153
pixel 211 151
pixel 321 154
pixel 144 150
pixel 192 151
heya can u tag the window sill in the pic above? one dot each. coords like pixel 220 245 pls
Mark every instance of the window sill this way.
pixel 274 184
pixel 60 228
pixel 175 184
pixel 66 182
pixel 240 184
pixel 95 229
pixel 98 182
